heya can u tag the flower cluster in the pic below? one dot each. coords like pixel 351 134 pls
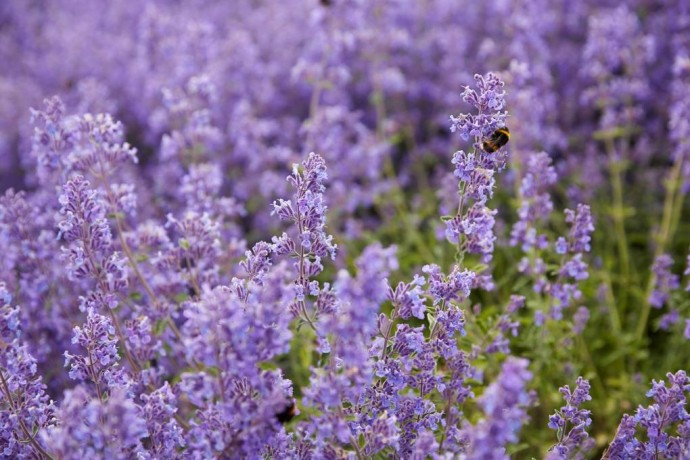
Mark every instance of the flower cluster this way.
pixel 616 72
pixel 504 403
pixel 99 362
pixel 310 243
pixel 24 405
pixel 665 281
pixel 166 292
pixel 660 421
pixel 536 204
pixel 472 229
pixel 571 422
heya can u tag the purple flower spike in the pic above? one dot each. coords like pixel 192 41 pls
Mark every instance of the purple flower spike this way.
pixel 571 422
pixel 504 404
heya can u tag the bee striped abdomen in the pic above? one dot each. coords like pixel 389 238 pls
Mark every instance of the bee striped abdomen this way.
pixel 498 139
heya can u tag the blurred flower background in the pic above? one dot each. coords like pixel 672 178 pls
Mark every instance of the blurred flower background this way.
pixel 253 229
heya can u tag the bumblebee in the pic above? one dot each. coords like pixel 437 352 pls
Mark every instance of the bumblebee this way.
pixel 498 139
pixel 288 413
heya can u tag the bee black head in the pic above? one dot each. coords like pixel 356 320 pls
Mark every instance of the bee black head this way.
pixel 288 413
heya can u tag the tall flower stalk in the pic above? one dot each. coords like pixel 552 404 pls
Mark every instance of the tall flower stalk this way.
pixel 471 229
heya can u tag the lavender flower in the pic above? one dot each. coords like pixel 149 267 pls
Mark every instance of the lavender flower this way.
pixel 516 303
pixel 84 219
pixel 256 264
pixel 189 337
pixel 581 228
pixel 25 409
pixel 408 299
pixel 94 428
pixel 573 269
pixel 504 404
pixel 144 346
pixel 536 204
pixel 669 319
pixel 664 281
pixel 28 233
pixel 580 320
pixel 165 433
pixel 310 244
pixel 234 335
pixel 212 330
pixel 571 422
pixel 309 213
pixel 488 101
pixel 99 363
pixel 615 54
pixel 100 149
pixel 500 343
pixel 454 287
pixel 197 248
pixel 53 139
pixel 89 255
pixel 476 169
pixel 678 126
pixel 658 421
pixel 381 434
pixel 86 144
pixel 345 379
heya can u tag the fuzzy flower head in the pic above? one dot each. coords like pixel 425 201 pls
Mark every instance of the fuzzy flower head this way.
pixel 308 210
pixel 488 99
pixel 536 204
pixel 83 217
pixel 101 149
pixel 504 404
pixel 616 55
pixel 88 253
pixel 93 428
pixel 472 230
pixel 661 421
pixel 665 281
pixel 454 287
pixel 24 404
pixel 679 121
pixel 99 361
pixel 54 136
pixel 87 144
pixel 571 422
pixel 581 228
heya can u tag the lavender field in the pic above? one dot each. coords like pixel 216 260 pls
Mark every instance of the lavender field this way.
pixel 344 229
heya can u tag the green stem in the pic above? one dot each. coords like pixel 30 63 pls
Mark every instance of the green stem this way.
pixel 615 317
pixel 672 208
pixel 616 170
pixel 677 211
pixel 358 451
